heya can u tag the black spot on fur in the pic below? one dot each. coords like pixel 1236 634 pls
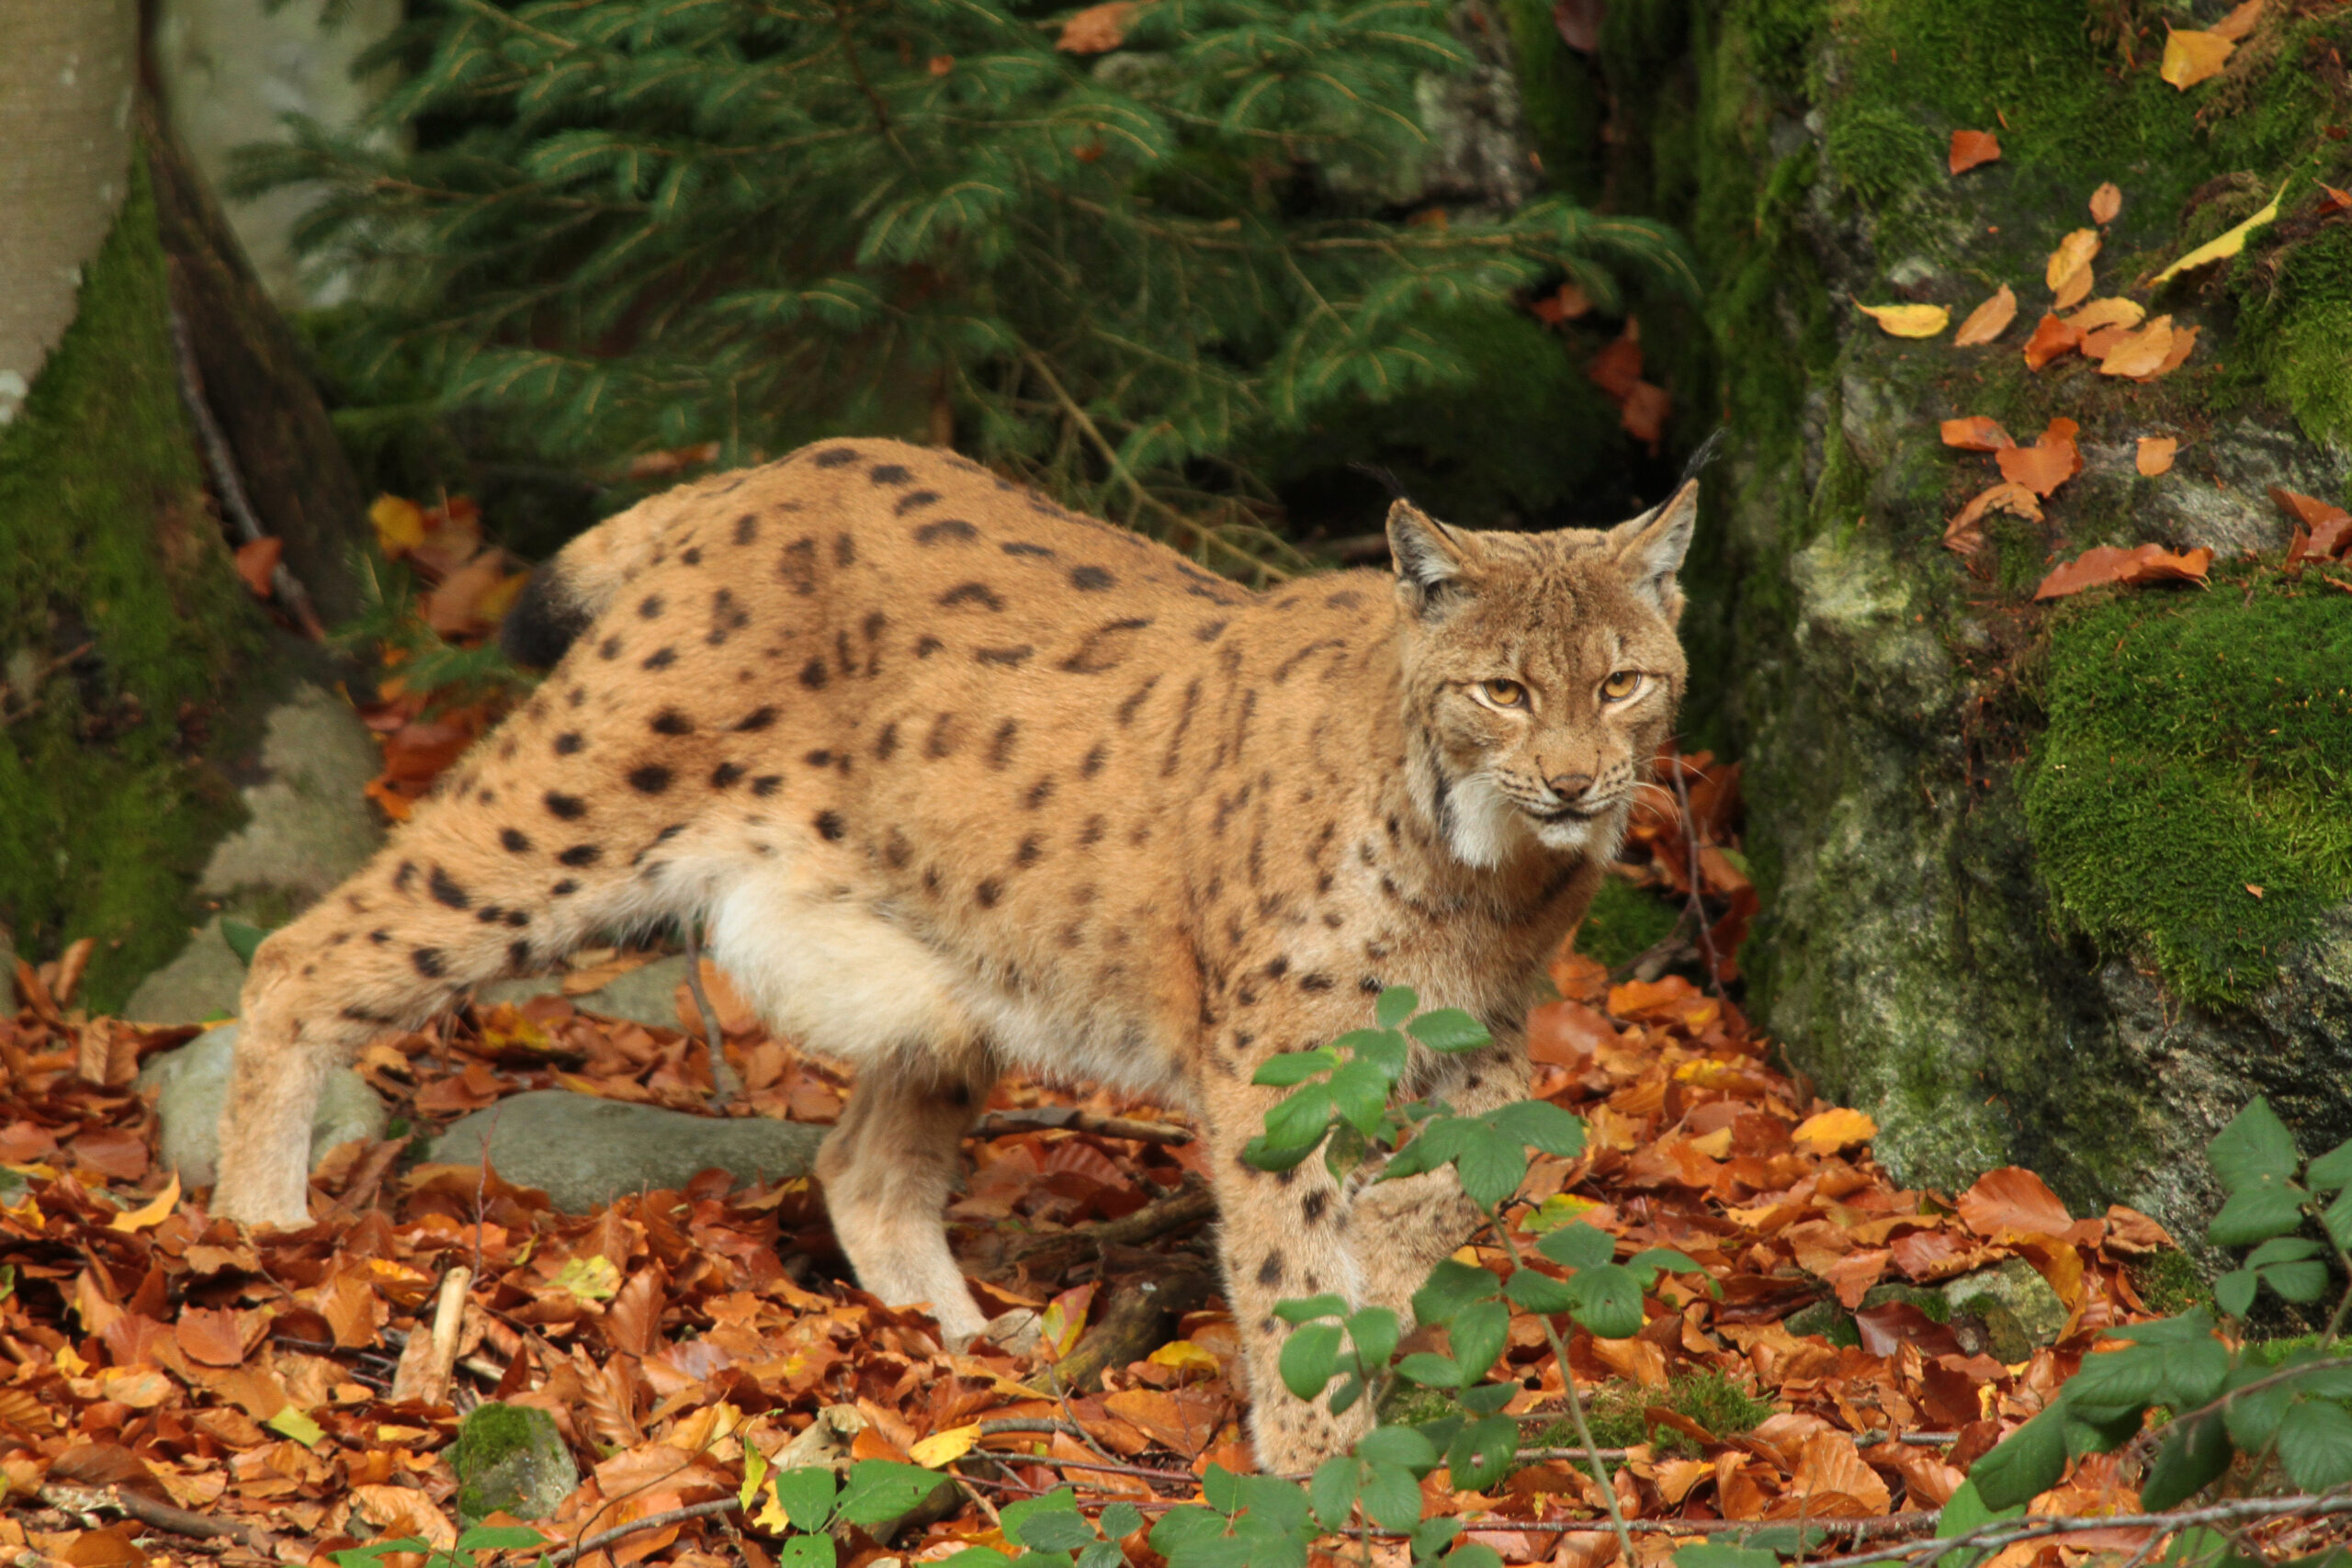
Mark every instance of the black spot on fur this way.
pixel 609 648
pixel 1134 700
pixel 886 743
pixel 767 784
pixel 818 759
pixel 1314 982
pixel 1039 792
pixel 1095 759
pixel 1021 547
pixel 988 892
pixel 513 841
pixel 402 877
pixel 428 962
pixel 914 499
pixel 445 890
pixel 518 953
pixel 1029 852
pixel 896 850
pixel 1001 747
pixel 650 779
pixel 834 456
pixel 757 719
pixel 724 775
pixel 571 808
pixel 1090 579
pixel 693 555
pixel 829 825
pixel 814 674
pixel 747 528
pixel 941 742
pixel 1092 834
pixel 564 888
pixel 659 659
pixel 946 528
pixel 926 647
pixel 1312 1209
pixel 543 623
pixel 581 855
pixel 1269 1273
pixel 650 607
pixel 670 721
pixel 1277 968
pixel 844 550
pixel 978 593
pixel 571 740
pixel 1005 657
pixel 1209 631
pixel 889 474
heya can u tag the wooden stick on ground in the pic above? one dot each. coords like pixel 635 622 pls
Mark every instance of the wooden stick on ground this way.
pixel 426 1361
pixel 150 1511
pixel 1047 1118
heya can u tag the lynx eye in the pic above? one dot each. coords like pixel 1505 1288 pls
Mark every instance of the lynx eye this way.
pixel 1621 686
pixel 1504 694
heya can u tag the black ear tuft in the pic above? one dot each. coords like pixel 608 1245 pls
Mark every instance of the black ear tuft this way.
pixel 1650 548
pixel 1432 559
pixel 544 622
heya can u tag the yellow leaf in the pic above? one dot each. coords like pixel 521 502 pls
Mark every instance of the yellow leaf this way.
pixel 1185 1357
pixel 772 1517
pixel 2156 453
pixel 591 1278
pixel 755 1472
pixel 2240 22
pixel 1064 1321
pixel 1988 321
pixel 2191 56
pixel 941 1447
pixel 399 525
pixel 2141 352
pixel 1906 321
pixel 150 1213
pixel 2112 311
pixel 2228 246
pixel 2106 202
pixel 292 1422
pixel 2073 254
pixel 1835 1130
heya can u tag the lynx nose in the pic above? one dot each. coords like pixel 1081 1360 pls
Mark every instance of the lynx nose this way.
pixel 1570 786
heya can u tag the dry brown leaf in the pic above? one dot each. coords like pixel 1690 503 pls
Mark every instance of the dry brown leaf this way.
pixel 2074 291
pixel 2112 311
pixel 1970 148
pixel 1976 432
pixel 1988 321
pixel 2104 564
pixel 2048 463
pixel 1964 535
pixel 2051 337
pixel 2141 352
pixel 256 560
pixel 1907 320
pixel 2192 56
pixel 1097 30
pixel 2239 22
pixel 2308 510
pixel 2106 202
pixel 217 1337
pixel 2075 253
pixel 2156 453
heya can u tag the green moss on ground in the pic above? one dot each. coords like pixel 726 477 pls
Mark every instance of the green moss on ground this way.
pixel 2198 744
pixel 1616 1413
pixel 2170 1283
pixel 2299 322
pixel 1624 923
pixel 103 822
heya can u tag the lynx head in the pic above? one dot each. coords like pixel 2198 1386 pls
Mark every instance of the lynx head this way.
pixel 1540 675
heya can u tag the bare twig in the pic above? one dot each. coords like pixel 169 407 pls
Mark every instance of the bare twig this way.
pixel 1070 1118
pixel 724 1085
pixel 662 1520
pixel 160 1515
pixel 224 464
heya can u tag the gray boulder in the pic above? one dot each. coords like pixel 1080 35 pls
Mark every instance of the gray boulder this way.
pixel 510 1458
pixel 582 1151
pixel 192 1083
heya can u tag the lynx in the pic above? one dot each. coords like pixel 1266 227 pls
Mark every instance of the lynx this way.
pixel 962 784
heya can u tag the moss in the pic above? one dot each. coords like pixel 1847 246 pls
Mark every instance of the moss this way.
pixel 2300 326
pixel 510 1458
pixel 1617 1412
pixel 1624 923
pixel 2199 746
pixel 114 561
pixel 2169 1284
pixel 1562 98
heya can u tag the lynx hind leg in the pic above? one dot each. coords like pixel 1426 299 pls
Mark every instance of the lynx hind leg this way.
pixel 887 1169
pixel 464 895
pixel 1421 1220
pixel 1281 1235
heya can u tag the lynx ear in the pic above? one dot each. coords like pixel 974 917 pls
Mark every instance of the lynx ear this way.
pixel 1650 548
pixel 1432 561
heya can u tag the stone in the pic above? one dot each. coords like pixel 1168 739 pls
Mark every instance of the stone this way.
pixel 510 1458
pixel 582 1151
pixel 308 827
pixel 646 995
pixel 2019 1310
pixel 192 1083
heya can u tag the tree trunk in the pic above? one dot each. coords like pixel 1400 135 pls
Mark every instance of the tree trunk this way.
pixel 141 678
pixel 2036 891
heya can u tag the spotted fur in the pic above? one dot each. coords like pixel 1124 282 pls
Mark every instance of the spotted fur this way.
pixel 963 783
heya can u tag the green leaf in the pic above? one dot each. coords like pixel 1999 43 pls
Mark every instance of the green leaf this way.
pixel 1479 1332
pixel 2024 1464
pixel 1719 1554
pixel 2297 1282
pixel 2234 1291
pixel 1299 1119
pixel 1309 1358
pixel 2315 1445
pixel 881 1489
pixel 2097 1429
pixel 818 1551
pixel 1395 1005
pixel 1097 1554
pixel 1966 1511
pixel 2337 1219
pixel 2133 1376
pixel 1285 1069
pixel 806 1495
pixel 1452 1286
pixel 1473 1554
pixel 1540 1124
pixel 243 940
pixel 1609 1301
pixel 498 1538
pixel 1398 1445
pixel 1431 1369
pixel 1264 1155
pixel 1491 1170
pixel 1331 1492
pixel 1307 1309
pixel 1539 1293
pixel 2282 1249
pixel 2191 1458
pixel 1487 1398
pixel 2256 1212
pixel 2255 1147
pixel 1373 1332
pixel 1359 1090
pixel 1578 1246
pixel 375 1551
pixel 1120 1520
pixel 2253 1417
pixel 1449 1030
pixel 2331 1171
pixel 1481 1453
pixel 1391 1496
pixel 1432 1535
pixel 1222 1487
pixel 1056 1530
pixel 1650 1263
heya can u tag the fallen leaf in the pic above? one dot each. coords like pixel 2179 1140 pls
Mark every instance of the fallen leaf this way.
pixel 293 1423
pixel 1097 30
pixel 2308 510
pixel 592 1278
pixel 2075 254
pixel 2156 453
pixel 1834 1130
pixel 2191 56
pixel 2048 463
pixel 256 560
pixel 2220 249
pixel 1977 433
pixel 1963 536
pixel 2239 22
pixel 2336 200
pixel 2051 337
pixel 2108 564
pixel 1907 320
pixel 2112 311
pixel 1643 415
pixel 399 525
pixel 2141 352
pixel 1988 321
pixel 939 1447
pixel 1568 303
pixel 150 1215
pixel 217 1337
pixel 2106 202
pixel 2255 888
pixel 2013 1201
pixel 1970 148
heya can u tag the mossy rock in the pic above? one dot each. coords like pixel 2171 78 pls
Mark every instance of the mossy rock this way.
pixel 511 1459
